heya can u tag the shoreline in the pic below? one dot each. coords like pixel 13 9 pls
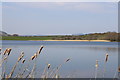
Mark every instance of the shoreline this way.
pixel 75 40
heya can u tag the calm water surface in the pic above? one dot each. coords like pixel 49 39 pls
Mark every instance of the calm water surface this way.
pixel 83 57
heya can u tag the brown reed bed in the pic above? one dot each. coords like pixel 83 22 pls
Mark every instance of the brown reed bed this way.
pixel 48 72
pixel 25 72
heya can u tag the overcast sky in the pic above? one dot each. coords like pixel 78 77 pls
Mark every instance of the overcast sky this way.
pixel 59 18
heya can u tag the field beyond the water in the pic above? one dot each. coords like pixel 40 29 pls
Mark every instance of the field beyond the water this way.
pixel 100 37
pixel 42 38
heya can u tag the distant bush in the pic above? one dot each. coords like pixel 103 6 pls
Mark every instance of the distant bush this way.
pixel 112 36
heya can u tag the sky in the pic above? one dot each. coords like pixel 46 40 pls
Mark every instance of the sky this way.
pixel 39 18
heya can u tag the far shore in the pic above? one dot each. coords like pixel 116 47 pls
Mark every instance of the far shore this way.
pixel 76 40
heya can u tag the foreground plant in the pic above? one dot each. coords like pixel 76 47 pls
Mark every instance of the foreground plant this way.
pixel 106 60
pixel 24 71
pixel 96 69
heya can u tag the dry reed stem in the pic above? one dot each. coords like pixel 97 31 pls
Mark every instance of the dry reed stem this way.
pixel 43 74
pixel 57 76
pixel 115 74
pixel 0 50
pixel 18 74
pixel 106 60
pixel 31 73
pixel 119 72
pixel 5 59
pixel 33 69
pixel 25 69
pixel 32 58
pixel 57 69
pixel 119 69
pixel 96 69
pixel 52 71
pixel 45 71
pixel 13 69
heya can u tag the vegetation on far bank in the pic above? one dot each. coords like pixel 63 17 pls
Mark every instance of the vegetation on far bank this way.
pixel 112 36
pixel 26 37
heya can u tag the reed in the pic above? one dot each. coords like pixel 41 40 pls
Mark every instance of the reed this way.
pixel 57 69
pixel 14 67
pixel 31 59
pixel 119 72
pixel 106 60
pixel 5 55
pixel 23 61
pixel 0 50
pixel 48 72
pixel 96 69
pixel 30 73
pixel 115 74
pixel 21 67
pixel 5 60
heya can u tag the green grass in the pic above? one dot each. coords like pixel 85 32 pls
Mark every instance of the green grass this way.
pixel 26 38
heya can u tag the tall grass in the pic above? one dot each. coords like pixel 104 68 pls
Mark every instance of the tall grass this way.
pixel 25 72
pixel 48 72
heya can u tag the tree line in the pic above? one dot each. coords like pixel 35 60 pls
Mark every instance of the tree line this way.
pixel 112 36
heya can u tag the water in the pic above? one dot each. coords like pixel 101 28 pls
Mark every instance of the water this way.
pixel 83 57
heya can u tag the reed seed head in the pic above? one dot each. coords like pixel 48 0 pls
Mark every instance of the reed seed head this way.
pixel 48 66
pixel 35 55
pixel 96 65
pixel 40 49
pixel 5 52
pixel 106 58
pixel 23 60
pixel 119 69
pixel 19 59
pixel 67 59
pixel 21 56
pixel 22 53
pixel 9 50
pixel 32 57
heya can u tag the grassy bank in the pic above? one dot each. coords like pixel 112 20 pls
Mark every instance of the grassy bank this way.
pixel 26 38
pixel 45 38
pixel 108 36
